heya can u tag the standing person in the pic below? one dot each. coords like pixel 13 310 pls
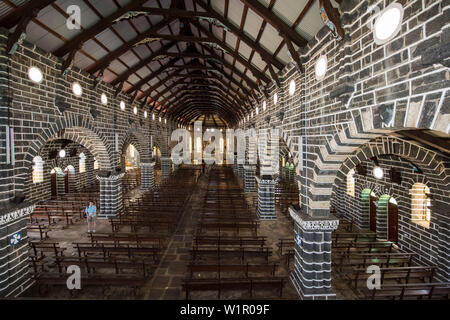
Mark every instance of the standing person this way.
pixel 91 214
pixel 203 167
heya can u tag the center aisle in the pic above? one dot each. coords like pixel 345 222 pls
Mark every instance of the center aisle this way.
pixel 167 280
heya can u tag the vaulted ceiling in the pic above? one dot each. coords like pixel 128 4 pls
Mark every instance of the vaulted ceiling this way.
pixel 185 58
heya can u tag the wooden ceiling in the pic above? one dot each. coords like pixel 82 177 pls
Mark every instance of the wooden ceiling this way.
pixel 184 58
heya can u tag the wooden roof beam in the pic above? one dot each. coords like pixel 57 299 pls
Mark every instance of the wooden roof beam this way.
pixel 265 55
pixel 124 76
pixel 103 24
pixel 19 13
pixel 258 73
pixel 126 46
pixel 275 21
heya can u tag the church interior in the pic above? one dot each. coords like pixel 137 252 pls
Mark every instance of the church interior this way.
pixel 350 99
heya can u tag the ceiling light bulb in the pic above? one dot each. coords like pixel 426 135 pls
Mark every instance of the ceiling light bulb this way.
pixel 292 87
pixel 135 110
pixel 388 23
pixel 145 114
pixel 77 90
pixel 275 98
pixel 378 172
pixel 62 153
pixel 35 74
pixel 104 99
pixel 122 105
pixel 321 67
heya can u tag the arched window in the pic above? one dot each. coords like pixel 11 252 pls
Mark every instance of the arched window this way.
pixel 420 204
pixel 82 163
pixel 38 170
pixel 95 164
pixel 351 183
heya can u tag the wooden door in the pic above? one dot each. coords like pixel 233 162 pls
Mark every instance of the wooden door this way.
pixel 373 214
pixel 53 185
pixel 392 222
pixel 66 182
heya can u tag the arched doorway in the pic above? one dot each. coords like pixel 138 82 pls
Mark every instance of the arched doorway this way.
pixel 392 220
pixel 68 178
pixel 369 207
pixel 57 178
pixel 387 218
pixel 132 158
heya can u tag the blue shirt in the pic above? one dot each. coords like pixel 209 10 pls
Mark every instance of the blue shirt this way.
pixel 91 211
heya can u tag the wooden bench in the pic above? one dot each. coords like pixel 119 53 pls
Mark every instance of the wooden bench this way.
pixel 221 285
pixel 40 248
pixel 220 252
pixel 39 228
pixel 399 274
pixel 363 260
pixel 107 250
pixel 409 291
pixel 269 269
pixel 91 280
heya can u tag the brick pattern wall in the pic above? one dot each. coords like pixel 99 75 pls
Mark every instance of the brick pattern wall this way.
pixel 369 90
pixel 424 240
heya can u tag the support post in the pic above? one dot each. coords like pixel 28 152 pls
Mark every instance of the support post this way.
pixel 147 175
pixel 14 269
pixel 249 179
pixel 266 198
pixel 312 261
pixel 166 167
pixel 110 195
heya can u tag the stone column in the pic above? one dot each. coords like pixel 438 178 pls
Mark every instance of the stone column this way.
pixel 110 195
pixel 14 268
pixel 266 198
pixel 241 171
pixel 249 179
pixel 235 165
pixel 166 167
pixel 291 175
pixel 312 262
pixel 147 175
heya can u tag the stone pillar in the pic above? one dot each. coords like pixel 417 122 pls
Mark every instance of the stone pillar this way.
pixel 110 195
pixel 312 262
pixel 291 175
pixel 235 165
pixel 166 167
pixel 147 175
pixel 266 198
pixel 249 179
pixel 241 171
pixel 14 264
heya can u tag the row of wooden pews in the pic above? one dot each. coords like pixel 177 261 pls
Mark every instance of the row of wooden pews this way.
pixel 227 254
pixel 126 257
pixel 67 209
pixel 131 179
pixel 401 276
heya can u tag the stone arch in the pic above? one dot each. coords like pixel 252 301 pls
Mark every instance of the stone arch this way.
pixel 78 129
pixel 430 162
pixel 135 137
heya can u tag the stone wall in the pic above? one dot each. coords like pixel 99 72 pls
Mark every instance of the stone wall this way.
pixel 40 112
pixel 369 91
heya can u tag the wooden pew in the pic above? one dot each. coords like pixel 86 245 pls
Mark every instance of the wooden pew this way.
pixel 399 274
pixel 221 285
pixel 437 290
pixel 269 269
